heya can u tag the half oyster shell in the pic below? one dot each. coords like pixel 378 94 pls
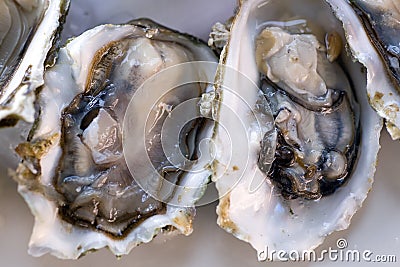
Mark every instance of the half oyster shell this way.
pixel 94 171
pixel 29 32
pixel 297 120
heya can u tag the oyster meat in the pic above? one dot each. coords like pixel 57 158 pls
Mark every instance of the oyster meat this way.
pixel 316 116
pixel 307 159
pixel 29 32
pixel 94 170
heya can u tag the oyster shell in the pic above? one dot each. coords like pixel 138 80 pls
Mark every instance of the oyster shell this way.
pixel 29 31
pixel 272 186
pixel 380 19
pixel 91 180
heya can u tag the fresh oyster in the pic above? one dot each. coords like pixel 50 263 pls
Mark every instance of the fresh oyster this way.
pixel 307 158
pixel 29 31
pixel 316 116
pixel 380 19
pixel 85 192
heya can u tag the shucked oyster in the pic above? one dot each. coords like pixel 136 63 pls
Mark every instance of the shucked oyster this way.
pixel 29 30
pixel 84 191
pixel 307 160
pixel 316 116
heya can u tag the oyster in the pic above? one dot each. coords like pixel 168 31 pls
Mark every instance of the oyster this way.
pixel 308 140
pixel 29 31
pixel 91 180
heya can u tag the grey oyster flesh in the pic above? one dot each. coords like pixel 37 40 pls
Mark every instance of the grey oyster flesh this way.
pixel 316 114
pixel 94 187
pixel 381 21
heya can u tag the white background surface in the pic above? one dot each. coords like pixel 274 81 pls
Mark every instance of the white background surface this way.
pixel 375 227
